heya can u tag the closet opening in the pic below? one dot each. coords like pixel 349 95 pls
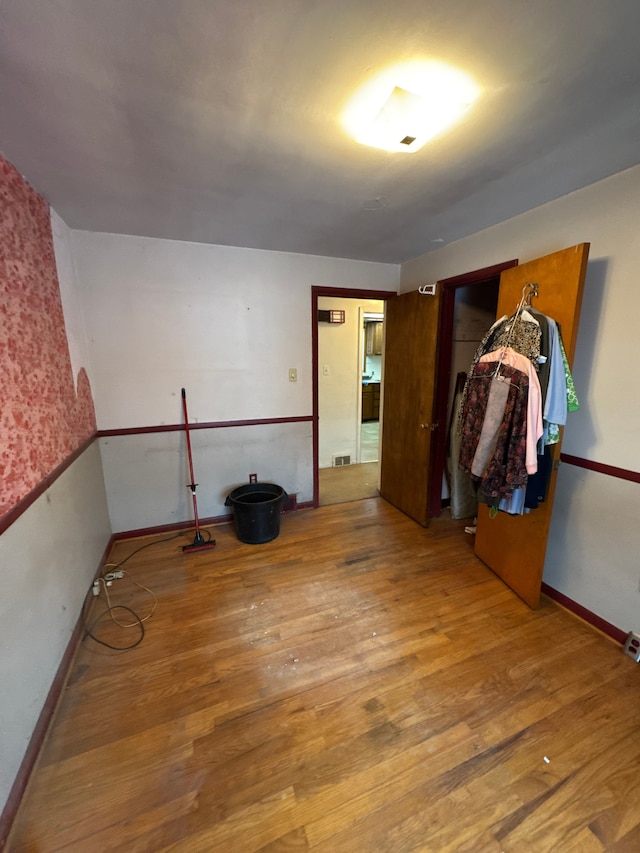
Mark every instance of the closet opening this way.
pixel 347 387
pixel 468 310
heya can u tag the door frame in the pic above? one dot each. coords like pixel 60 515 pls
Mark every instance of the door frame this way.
pixel 485 275
pixel 337 292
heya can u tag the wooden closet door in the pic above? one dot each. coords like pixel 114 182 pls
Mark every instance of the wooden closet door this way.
pixel 514 547
pixel 411 338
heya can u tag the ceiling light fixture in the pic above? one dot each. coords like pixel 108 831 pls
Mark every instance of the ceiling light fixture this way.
pixel 407 105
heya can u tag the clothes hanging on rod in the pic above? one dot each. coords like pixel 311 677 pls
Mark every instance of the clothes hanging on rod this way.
pixel 506 468
pixel 507 355
pixel 523 334
pixel 516 397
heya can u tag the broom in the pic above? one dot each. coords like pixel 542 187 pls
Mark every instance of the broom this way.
pixel 199 543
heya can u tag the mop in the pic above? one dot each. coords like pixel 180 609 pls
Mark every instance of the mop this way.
pixel 199 543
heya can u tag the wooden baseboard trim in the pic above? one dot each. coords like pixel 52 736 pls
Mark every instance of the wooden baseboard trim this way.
pixel 305 505
pixel 170 528
pixel 593 619
pixel 187 525
pixel 10 810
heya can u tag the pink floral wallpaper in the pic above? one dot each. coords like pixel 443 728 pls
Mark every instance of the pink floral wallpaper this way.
pixel 42 420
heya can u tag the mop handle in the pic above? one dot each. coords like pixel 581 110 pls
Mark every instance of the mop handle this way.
pixel 186 427
pixel 199 541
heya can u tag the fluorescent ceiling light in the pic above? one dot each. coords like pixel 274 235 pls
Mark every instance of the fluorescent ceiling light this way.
pixel 406 106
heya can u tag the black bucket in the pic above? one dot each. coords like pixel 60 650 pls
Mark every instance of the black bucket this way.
pixel 256 511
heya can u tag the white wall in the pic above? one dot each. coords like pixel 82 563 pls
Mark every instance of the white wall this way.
pixel 48 557
pixel 226 324
pixel 607 215
pixel 70 295
pixel 223 322
pixel 340 378
pixel 154 468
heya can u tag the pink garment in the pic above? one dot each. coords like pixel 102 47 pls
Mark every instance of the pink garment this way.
pixel 507 355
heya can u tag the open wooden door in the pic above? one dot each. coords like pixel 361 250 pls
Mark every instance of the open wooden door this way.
pixel 411 338
pixel 514 547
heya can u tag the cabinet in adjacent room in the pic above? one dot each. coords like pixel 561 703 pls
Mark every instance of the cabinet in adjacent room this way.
pixel 371 401
pixel 373 338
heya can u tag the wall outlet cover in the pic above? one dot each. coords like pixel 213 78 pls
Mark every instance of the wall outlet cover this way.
pixel 632 646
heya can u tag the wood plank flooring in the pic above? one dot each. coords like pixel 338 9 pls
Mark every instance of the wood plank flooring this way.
pixel 351 483
pixel 358 684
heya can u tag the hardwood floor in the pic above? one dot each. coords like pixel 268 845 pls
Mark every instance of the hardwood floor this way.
pixel 351 483
pixel 358 684
pixel 358 481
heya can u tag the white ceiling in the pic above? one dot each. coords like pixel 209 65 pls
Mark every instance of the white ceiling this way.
pixel 218 121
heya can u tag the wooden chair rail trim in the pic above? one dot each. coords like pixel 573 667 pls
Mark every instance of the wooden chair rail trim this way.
pixel 31 497
pixel 601 468
pixel 144 430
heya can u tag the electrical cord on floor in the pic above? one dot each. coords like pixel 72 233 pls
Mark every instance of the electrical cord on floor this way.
pixel 109 569
pixel 140 586
pixel 89 630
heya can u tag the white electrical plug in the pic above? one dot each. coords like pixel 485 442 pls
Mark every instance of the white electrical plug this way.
pixel 113 576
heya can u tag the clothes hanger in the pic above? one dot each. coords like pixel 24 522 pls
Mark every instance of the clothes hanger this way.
pixel 529 290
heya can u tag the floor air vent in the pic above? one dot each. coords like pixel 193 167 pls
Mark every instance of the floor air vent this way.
pixel 339 461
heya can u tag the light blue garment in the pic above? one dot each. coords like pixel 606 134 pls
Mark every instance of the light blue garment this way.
pixel 555 407
pixel 515 504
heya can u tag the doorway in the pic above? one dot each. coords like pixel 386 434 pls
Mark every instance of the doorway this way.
pixel 347 392
pixel 418 359
pixel 350 343
pixel 370 351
